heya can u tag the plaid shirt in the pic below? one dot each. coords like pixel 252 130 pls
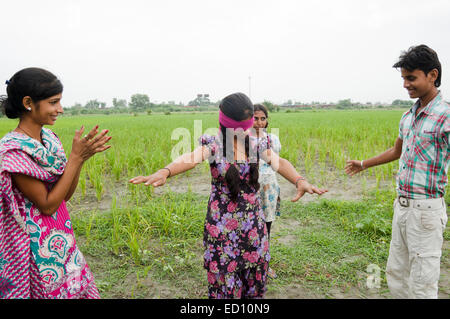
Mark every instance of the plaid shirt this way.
pixel 423 165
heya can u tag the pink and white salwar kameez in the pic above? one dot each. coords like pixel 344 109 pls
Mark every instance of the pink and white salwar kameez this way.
pixel 39 257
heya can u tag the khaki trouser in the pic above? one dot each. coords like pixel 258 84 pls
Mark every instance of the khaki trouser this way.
pixel 413 266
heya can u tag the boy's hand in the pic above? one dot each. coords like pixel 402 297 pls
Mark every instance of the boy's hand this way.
pixel 353 167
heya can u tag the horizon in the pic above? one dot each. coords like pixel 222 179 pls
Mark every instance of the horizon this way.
pixel 174 50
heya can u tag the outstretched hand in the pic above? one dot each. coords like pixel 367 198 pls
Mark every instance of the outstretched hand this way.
pixel 305 187
pixel 353 167
pixel 157 179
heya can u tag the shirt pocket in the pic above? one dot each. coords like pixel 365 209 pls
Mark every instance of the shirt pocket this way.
pixel 426 145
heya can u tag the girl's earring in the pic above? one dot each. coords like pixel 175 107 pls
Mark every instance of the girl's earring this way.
pixel 29 109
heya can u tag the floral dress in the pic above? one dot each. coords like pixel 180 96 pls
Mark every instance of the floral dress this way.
pixel 235 234
pixel 270 190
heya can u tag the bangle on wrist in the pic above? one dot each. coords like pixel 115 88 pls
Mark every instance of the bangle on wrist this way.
pixel 300 178
pixel 170 173
pixel 362 164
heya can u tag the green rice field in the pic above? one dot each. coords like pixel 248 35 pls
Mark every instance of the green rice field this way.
pixel 142 242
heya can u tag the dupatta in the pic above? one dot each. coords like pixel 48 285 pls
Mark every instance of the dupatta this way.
pixel 38 253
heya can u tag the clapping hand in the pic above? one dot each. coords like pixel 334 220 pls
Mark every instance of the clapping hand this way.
pixel 90 144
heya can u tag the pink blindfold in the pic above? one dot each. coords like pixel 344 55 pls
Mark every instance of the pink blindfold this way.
pixel 230 123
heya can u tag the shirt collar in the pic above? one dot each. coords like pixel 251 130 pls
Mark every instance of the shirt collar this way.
pixel 429 106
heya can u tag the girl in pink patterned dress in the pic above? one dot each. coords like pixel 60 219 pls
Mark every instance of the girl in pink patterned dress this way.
pixel 39 257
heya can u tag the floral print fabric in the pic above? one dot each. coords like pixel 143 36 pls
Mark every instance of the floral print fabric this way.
pixel 247 284
pixel 235 233
pixel 270 190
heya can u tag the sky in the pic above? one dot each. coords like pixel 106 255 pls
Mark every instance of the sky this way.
pixel 272 50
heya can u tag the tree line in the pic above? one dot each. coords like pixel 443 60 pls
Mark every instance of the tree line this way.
pixel 140 103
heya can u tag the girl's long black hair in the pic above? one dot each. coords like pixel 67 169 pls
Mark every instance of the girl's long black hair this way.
pixel 238 107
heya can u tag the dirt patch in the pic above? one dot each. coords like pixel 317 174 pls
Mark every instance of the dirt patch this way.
pixel 350 259
pixel 293 291
pixel 147 286
pixel 199 182
pixel 357 293
pixel 283 232
pixel 339 187
pixel 287 240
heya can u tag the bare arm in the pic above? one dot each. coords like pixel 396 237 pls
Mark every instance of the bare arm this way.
pixel 182 164
pixel 288 171
pixel 35 190
pixel 48 201
pixel 74 185
pixel 354 166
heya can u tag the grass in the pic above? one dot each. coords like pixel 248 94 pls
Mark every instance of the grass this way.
pixel 155 237
pixel 329 248
pixel 155 250
pixel 141 144
pixel 145 245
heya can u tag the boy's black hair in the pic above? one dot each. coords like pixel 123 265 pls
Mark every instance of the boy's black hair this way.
pixel 420 57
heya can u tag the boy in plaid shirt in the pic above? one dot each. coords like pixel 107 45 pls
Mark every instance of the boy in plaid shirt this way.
pixel 422 148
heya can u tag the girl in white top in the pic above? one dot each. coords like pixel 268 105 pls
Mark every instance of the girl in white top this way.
pixel 269 188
